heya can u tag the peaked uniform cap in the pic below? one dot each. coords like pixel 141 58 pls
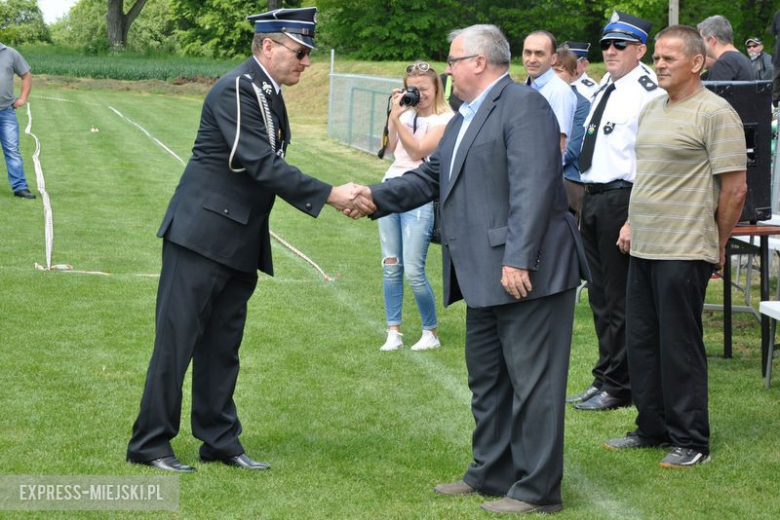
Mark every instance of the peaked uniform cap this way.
pixel 625 27
pixel 298 24
pixel 757 41
pixel 580 49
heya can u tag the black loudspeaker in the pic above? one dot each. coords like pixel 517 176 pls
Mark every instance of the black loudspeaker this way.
pixel 753 102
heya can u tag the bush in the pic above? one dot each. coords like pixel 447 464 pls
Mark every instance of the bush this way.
pixel 21 22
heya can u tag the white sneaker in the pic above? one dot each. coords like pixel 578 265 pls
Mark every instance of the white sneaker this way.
pixel 427 341
pixel 394 341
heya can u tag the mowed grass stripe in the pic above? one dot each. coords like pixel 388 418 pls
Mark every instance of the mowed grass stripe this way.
pixel 350 433
pixel 104 186
pixel 334 227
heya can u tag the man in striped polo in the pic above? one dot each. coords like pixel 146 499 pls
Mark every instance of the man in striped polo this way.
pixel 688 195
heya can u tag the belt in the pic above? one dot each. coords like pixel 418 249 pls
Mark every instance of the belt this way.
pixel 597 187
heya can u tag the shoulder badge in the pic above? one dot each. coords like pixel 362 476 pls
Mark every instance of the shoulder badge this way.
pixel 587 82
pixel 648 84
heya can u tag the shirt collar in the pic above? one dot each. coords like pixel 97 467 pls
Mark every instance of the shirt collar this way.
pixel 469 110
pixel 542 80
pixel 277 88
pixel 628 78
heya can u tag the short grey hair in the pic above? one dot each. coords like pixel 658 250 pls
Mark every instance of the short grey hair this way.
pixel 487 40
pixel 257 40
pixel 717 26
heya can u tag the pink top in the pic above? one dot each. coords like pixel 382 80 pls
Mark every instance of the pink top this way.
pixel 403 163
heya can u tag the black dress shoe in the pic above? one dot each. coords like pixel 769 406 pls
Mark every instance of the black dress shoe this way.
pixel 240 461
pixel 169 463
pixel 584 395
pixel 603 401
pixel 25 194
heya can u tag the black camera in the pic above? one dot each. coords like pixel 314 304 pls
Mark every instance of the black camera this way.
pixel 411 97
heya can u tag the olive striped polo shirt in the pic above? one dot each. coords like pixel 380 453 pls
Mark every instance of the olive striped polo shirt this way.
pixel 680 151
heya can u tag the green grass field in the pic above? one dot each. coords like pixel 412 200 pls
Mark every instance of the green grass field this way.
pixel 350 432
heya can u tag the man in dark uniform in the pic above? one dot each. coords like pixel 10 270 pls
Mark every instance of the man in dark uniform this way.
pixel 215 238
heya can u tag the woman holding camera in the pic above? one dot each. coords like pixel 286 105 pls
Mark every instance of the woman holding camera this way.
pixel 415 126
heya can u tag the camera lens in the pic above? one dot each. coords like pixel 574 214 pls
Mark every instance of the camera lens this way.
pixel 411 97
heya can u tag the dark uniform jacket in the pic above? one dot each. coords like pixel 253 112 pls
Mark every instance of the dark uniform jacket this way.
pixel 221 206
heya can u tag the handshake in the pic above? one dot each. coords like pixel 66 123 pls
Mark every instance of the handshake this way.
pixel 353 200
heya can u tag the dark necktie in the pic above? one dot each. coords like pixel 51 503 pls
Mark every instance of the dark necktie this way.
pixel 592 132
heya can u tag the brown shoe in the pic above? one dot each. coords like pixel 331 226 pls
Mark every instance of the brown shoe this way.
pixel 455 488
pixel 512 505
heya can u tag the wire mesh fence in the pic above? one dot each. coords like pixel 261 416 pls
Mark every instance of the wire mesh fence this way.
pixel 357 109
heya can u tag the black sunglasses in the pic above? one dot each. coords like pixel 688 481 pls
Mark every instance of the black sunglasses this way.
pixel 752 45
pixel 299 53
pixel 619 44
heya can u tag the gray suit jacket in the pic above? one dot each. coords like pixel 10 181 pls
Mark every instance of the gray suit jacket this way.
pixel 504 202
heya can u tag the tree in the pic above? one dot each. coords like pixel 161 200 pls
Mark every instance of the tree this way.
pixel 118 23
pixel 218 28
pixel 394 29
pixel 410 29
pixel 154 29
pixel 84 28
pixel 21 21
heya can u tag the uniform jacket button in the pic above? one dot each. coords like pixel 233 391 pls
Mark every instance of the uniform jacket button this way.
pixel 226 211
pixel 308 205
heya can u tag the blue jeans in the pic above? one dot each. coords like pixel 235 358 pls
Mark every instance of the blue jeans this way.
pixel 405 238
pixel 9 138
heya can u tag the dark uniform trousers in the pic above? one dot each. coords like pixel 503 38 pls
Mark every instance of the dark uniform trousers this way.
pixel 517 356
pixel 666 355
pixel 201 312
pixel 603 214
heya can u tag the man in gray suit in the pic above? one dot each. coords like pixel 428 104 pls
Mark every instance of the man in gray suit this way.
pixel 511 250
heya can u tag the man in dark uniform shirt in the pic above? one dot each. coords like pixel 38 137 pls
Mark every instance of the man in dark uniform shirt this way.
pixel 215 238
pixel 730 64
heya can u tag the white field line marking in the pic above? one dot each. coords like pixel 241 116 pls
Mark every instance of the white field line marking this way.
pixel 150 136
pixel 48 219
pixel 48 216
pixel 52 98
pixel 282 241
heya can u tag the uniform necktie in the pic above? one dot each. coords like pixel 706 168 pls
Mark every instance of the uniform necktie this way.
pixel 592 132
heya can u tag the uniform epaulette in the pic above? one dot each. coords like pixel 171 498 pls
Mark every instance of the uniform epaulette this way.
pixel 647 83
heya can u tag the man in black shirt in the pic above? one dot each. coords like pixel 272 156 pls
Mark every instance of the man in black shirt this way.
pixel 730 64
pixel 761 61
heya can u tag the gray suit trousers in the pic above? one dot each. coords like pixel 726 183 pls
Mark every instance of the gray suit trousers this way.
pixel 517 357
